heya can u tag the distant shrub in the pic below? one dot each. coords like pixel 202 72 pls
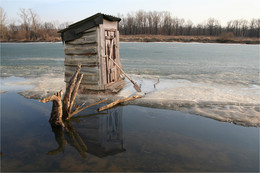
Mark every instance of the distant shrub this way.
pixel 226 37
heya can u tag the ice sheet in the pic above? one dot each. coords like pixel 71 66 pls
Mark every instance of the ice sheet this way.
pixel 234 104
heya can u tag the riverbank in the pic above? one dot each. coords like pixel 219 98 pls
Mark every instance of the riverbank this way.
pixel 201 39
pixel 48 39
pixel 163 38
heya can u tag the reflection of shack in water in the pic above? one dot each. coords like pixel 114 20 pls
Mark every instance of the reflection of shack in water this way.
pixel 102 134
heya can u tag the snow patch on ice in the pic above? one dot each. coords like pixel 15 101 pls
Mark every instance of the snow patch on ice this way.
pixel 227 103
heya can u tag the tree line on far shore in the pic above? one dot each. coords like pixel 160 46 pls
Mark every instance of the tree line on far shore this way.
pixel 29 28
pixel 163 23
pixel 136 23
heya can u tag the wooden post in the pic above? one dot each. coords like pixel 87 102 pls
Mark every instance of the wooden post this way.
pixel 69 90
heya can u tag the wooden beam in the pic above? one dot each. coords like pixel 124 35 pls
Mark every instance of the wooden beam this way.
pixel 117 102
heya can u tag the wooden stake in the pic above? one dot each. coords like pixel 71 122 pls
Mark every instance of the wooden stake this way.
pixel 68 94
pixel 74 93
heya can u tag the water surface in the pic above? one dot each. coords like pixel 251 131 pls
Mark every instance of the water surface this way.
pixel 128 138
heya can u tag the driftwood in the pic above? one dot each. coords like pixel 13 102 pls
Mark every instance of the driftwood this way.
pixel 117 102
pixel 56 113
pixel 62 109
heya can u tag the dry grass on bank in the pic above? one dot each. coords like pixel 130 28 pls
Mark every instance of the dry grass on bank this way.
pixel 203 39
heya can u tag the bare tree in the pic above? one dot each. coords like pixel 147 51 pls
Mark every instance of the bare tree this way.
pixel 156 21
pixel 130 23
pixel 188 26
pixel 244 27
pixel 213 26
pixel 254 28
pixel 2 16
pixel 150 22
pixel 34 18
pixel 64 25
pixel 3 28
pixel 25 20
pixel 13 30
pixel 167 23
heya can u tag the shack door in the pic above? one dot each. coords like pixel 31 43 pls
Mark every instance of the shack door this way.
pixel 111 51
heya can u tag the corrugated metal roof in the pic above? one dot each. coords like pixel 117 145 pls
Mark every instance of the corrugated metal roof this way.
pixel 75 30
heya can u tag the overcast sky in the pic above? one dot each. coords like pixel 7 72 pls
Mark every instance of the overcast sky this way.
pixel 197 11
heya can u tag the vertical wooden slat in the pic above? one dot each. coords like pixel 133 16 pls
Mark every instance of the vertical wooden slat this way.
pixel 111 73
pixel 100 83
pixel 115 58
pixel 107 60
pixel 102 54
pixel 106 67
pixel 118 55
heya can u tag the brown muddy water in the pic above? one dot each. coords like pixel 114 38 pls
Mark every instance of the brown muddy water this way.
pixel 126 138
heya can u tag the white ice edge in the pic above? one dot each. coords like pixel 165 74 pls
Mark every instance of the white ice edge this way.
pixel 232 104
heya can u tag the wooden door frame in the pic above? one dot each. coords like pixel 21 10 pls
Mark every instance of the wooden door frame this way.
pixel 110 68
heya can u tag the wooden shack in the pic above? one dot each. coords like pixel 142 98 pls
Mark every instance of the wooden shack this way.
pixel 91 42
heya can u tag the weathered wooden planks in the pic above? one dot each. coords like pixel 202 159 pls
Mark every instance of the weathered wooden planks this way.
pixel 86 87
pixel 118 60
pixel 85 60
pixel 87 37
pixel 110 25
pixel 90 30
pixel 90 70
pixel 90 79
pixel 90 49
